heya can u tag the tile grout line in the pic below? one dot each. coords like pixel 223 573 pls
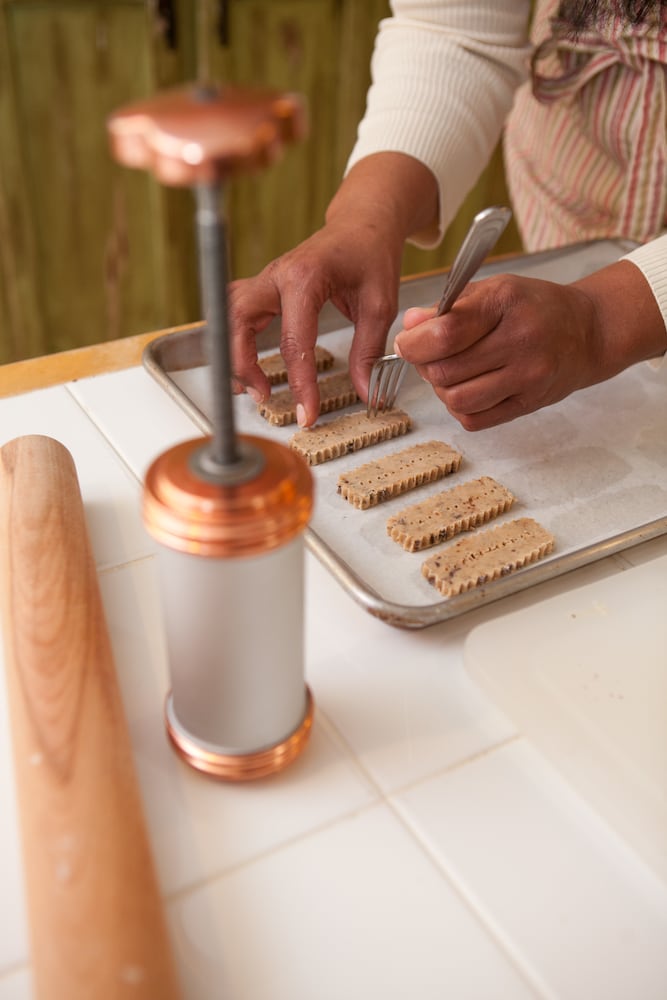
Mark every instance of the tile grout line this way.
pixel 89 416
pixel 504 943
pixel 438 772
pixel 178 895
pixel 379 798
pixel 455 765
pixel 335 734
pixel 107 569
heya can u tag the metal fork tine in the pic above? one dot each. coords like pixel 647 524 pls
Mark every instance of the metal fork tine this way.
pixel 375 387
pixel 386 377
pixel 397 370
pixel 371 406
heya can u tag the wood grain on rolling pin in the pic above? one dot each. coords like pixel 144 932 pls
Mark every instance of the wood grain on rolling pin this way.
pixel 97 926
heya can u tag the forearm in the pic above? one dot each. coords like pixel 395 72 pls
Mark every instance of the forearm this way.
pixel 392 193
pixel 629 326
pixel 444 77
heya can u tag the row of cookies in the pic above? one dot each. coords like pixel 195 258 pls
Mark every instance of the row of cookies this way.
pixel 469 562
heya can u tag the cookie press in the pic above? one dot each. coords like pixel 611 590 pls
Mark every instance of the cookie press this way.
pixel 229 511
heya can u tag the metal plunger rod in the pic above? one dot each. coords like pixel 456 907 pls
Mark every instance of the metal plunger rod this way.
pixel 196 137
pixel 223 450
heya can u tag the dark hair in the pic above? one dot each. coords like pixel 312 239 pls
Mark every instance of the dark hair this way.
pixel 582 14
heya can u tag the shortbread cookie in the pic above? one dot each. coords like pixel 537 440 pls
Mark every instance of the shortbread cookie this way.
pixel 390 475
pixel 275 369
pixel 348 433
pixel 457 509
pixel 487 555
pixel 336 391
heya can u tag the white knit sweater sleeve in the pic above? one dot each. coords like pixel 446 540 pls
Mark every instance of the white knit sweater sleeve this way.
pixel 651 259
pixel 444 74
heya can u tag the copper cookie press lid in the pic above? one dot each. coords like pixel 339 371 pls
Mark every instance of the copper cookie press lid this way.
pixel 204 133
pixel 189 513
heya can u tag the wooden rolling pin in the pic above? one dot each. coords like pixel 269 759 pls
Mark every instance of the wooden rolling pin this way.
pixel 96 918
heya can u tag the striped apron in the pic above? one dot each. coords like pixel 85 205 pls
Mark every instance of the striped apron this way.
pixel 586 140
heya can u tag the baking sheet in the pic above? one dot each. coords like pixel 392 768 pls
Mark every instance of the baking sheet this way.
pixel 592 469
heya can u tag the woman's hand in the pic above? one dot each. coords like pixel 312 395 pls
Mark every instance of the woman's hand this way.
pixel 511 345
pixel 346 264
pixel 354 261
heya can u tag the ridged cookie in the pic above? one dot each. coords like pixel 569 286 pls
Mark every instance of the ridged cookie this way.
pixel 275 369
pixel 487 555
pixel 348 433
pixel 336 391
pixel 387 477
pixel 457 509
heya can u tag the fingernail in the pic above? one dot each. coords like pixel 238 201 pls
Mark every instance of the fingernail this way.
pixel 254 394
pixel 300 415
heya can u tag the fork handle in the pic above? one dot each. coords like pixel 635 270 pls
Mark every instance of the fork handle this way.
pixel 480 239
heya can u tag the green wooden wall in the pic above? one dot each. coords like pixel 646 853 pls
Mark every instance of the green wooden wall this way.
pixel 91 251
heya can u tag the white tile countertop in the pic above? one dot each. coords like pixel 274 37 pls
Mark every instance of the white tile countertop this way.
pixel 421 847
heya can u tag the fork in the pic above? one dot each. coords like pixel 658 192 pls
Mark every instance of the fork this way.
pixel 388 372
